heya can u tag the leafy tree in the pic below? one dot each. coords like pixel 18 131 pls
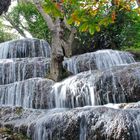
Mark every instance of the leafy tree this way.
pixel 4 35
pixel 86 15
pixel 63 19
pixel 25 17
pixel 116 34
pixel 119 34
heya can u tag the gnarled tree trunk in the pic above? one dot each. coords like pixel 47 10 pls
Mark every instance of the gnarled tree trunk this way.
pixel 60 45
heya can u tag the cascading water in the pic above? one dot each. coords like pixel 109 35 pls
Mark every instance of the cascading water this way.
pixel 31 93
pixel 24 48
pixel 116 85
pixel 103 59
pixel 109 77
pixel 75 91
pixel 12 70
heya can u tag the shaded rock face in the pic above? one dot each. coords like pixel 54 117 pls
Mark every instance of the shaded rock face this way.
pixel 4 5
pixel 101 60
pixel 24 48
pixel 88 123
pixel 117 85
pixel 120 85
pixel 31 93
pixel 12 70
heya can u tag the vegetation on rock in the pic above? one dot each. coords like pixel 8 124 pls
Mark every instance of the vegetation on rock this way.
pixel 8 134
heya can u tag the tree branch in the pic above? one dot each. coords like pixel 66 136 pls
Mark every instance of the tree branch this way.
pixel 46 17
pixel 138 3
pixel 20 31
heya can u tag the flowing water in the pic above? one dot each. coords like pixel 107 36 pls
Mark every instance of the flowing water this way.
pixel 30 93
pixel 24 48
pixel 102 59
pixel 101 77
pixel 12 70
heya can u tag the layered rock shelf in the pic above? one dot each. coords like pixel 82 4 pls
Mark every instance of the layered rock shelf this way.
pixel 87 123
pixel 99 102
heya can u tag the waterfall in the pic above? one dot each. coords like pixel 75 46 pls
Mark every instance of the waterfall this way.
pixel 81 123
pixel 102 59
pixel 42 132
pixel 75 91
pixel 116 85
pixel 31 93
pixel 75 108
pixel 12 70
pixel 24 48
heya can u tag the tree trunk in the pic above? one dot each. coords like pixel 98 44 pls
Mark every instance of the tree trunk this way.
pixel 138 3
pixel 60 45
pixel 57 57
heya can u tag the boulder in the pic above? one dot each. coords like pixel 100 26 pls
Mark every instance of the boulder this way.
pixel 101 60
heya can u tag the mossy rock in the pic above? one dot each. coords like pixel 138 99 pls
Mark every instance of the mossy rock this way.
pixel 7 134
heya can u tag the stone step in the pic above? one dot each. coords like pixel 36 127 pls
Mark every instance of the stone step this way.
pixel 101 60
pixel 77 124
pixel 24 48
pixel 31 93
pixel 118 85
pixel 18 69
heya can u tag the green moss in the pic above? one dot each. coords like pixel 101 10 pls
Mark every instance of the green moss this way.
pixel 133 50
pixel 13 135
pixel 18 110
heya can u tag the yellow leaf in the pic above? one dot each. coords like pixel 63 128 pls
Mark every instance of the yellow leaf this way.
pixel 97 28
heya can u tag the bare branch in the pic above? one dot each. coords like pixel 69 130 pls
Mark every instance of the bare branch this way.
pixel 72 35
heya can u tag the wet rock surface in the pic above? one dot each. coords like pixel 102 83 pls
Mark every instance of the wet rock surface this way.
pixel 31 93
pixel 99 60
pixel 118 85
pixel 33 106
pixel 91 123
pixel 18 69
pixel 24 48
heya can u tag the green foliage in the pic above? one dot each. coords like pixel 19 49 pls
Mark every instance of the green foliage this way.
pixel 4 35
pixel 27 18
pixel 124 33
pixel 90 16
